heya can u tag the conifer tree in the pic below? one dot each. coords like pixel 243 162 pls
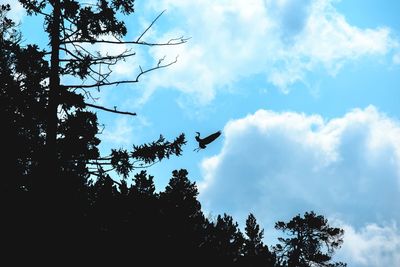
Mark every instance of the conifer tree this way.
pixel 74 27
pixel 310 242
pixel 255 253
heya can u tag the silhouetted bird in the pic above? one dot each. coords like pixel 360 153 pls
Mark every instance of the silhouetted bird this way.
pixel 203 142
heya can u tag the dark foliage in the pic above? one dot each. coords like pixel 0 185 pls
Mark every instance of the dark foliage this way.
pixel 310 242
pixel 79 214
pixel 69 24
pixel 254 251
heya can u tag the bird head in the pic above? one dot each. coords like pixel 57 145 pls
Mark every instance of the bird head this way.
pixel 197 134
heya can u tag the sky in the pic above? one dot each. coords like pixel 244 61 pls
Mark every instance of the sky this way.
pixel 306 94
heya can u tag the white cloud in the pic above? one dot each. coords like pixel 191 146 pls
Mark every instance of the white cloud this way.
pixel 124 131
pixel 371 246
pixel 285 40
pixel 231 39
pixel 119 134
pixel 277 165
pixel 396 59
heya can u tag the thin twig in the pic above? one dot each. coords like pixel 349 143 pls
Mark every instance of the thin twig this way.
pixel 151 24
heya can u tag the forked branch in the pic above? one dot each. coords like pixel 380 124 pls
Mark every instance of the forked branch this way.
pixel 103 83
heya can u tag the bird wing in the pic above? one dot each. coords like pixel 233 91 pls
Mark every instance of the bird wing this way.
pixel 211 137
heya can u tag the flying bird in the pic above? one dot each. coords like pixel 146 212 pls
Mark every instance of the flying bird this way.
pixel 203 142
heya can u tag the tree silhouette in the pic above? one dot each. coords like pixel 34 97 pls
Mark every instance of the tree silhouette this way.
pixel 79 212
pixel 65 205
pixel 73 28
pixel 22 98
pixel 144 185
pixel 253 243
pixel 254 251
pixel 182 218
pixel 311 241
pixel 144 219
pixel 224 241
pixel 49 186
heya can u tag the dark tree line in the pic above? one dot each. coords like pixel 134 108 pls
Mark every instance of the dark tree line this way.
pixel 76 212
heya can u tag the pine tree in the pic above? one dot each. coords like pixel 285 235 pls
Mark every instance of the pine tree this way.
pixel 72 26
pixel 50 197
pixel 310 242
pixel 255 253
pixel 182 218
pixel 224 241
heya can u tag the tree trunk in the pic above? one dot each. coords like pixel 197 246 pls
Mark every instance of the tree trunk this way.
pixel 54 87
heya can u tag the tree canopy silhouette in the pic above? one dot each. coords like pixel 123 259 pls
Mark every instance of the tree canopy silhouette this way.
pixel 74 28
pixel 255 252
pixel 311 242
pixel 79 213
pixel 64 194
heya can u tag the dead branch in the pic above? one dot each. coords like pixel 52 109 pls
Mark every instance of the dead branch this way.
pixel 101 83
pixel 173 41
pixel 151 24
pixel 111 110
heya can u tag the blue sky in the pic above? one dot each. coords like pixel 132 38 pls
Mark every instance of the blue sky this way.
pixel 306 93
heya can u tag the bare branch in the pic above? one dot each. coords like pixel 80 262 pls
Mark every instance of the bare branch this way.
pixel 103 60
pixel 159 66
pixel 111 110
pixel 174 41
pixel 64 29
pixel 68 36
pixel 83 49
pixel 151 24
pixel 70 53
pixel 101 83
pixel 88 94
